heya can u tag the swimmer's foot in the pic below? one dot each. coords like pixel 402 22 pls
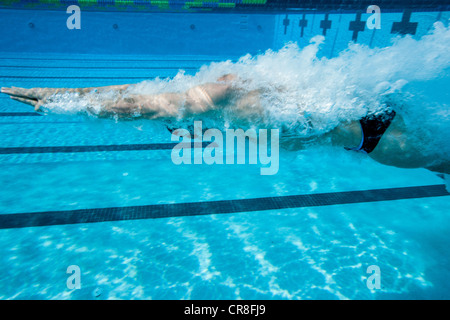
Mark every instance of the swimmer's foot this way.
pixel 446 178
pixel 447 182
pixel 441 175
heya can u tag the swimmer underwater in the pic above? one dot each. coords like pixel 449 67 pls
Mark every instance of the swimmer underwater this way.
pixel 383 136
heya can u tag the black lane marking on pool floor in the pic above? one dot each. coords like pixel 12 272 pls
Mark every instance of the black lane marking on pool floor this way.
pixel 81 77
pixel 97 148
pixel 20 114
pixel 112 60
pixel 157 211
pixel 97 68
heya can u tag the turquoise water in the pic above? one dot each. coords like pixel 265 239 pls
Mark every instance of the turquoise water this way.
pixel 306 253
pixel 299 253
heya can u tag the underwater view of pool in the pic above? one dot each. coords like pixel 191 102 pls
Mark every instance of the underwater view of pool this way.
pixel 104 194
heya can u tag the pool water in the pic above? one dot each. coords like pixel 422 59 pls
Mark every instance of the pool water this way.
pixel 317 252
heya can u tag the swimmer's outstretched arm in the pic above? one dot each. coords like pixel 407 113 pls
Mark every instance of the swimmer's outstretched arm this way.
pixel 198 99
pixel 36 97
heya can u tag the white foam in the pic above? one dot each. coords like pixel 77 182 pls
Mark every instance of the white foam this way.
pixel 309 95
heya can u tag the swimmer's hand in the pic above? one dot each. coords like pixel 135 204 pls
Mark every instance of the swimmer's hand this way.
pixel 35 97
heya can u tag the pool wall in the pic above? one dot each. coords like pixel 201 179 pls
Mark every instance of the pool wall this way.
pixel 215 33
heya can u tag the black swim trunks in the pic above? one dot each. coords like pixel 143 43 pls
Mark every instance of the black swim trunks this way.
pixel 373 127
